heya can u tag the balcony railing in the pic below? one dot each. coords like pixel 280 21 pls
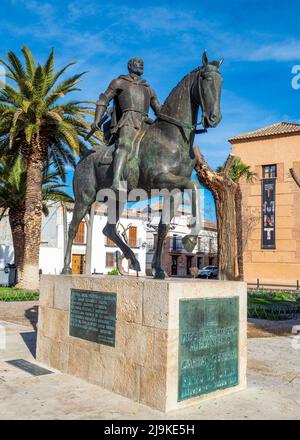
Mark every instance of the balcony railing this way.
pixel 202 246
pixel 133 244
pixel 177 246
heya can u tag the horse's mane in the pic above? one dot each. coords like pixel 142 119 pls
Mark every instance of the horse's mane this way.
pixel 214 64
pixel 179 85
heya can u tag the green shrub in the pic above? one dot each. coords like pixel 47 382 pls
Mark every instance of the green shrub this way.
pixel 273 305
pixel 10 294
pixel 115 271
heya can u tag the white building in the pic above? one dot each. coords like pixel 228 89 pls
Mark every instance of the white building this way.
pixel 140 233
pixel 103 250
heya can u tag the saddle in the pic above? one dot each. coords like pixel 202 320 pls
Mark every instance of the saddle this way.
pixel 106 154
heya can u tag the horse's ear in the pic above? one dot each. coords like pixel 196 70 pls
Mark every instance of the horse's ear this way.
pixel 221 61
pixel 204 58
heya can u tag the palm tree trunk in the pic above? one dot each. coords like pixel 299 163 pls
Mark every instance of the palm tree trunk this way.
pixel 16 221
pixel 33 216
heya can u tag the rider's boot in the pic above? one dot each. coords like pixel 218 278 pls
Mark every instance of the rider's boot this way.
pixel 120 161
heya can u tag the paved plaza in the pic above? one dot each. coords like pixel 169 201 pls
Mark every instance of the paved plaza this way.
pixel 273 387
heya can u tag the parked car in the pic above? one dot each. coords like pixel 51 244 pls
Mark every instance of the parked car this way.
pixel 8 275
pixel 208 272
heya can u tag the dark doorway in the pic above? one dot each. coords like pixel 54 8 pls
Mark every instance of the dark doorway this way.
pixel 174 247
pixel 189 261
pixel 174 265
pixel 199 262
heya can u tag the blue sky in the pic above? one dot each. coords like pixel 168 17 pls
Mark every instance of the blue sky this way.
pixel 260 42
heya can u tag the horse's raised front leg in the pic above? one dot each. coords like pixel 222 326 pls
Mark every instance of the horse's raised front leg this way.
pixel 110 231
pixel 189 241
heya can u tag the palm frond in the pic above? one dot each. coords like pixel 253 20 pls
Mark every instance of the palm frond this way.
pixel 29 61
pixel 17 66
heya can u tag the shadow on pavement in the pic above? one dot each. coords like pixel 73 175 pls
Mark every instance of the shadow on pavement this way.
pixel 30 340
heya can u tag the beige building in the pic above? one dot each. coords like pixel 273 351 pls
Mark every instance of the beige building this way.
pixel 271 205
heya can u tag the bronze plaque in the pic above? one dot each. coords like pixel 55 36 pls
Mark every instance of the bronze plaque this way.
pixel 29 367
pixel 93 316
pixel 208 345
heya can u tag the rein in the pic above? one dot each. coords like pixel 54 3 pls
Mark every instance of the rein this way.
pixel 174 121
pixel 185 125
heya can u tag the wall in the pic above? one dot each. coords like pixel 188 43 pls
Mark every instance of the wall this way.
pixel 281 265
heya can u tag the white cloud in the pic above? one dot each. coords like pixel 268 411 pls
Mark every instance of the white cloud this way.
pixel 288 50
pixel 76 9
pixel 162 19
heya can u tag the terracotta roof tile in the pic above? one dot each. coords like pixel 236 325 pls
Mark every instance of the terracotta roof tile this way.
pixel 278 129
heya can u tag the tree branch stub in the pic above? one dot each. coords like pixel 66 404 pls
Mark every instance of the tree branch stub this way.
pixel 295 176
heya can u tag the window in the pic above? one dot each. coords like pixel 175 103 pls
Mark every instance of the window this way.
pixel 80 236
pixel 210 246
pixel 109 259
pixel 109 242
pixel 132 236
pixel 199 244
pixel 269 171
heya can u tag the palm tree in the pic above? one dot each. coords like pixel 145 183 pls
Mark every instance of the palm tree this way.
pixel 36 122
pixel 13 177
pixel 238 171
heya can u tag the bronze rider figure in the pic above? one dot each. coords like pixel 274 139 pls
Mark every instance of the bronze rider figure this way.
pixel 132 97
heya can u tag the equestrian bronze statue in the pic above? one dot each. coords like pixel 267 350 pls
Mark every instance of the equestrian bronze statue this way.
pixel 145 154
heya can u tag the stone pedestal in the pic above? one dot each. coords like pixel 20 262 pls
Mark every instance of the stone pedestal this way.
pixel 166 344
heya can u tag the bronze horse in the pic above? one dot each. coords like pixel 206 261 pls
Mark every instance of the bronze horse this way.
pixel 164 160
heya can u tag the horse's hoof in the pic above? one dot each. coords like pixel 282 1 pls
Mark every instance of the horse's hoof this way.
pixel 66 271
pixel 159 274
pixel 135 265
pixel 189 242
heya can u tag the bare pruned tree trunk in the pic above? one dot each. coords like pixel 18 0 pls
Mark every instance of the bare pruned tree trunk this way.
pixel 224 192
pixel 239 232
pixel 295 176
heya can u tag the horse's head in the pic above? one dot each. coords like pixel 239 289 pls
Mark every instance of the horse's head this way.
pixel 208 91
